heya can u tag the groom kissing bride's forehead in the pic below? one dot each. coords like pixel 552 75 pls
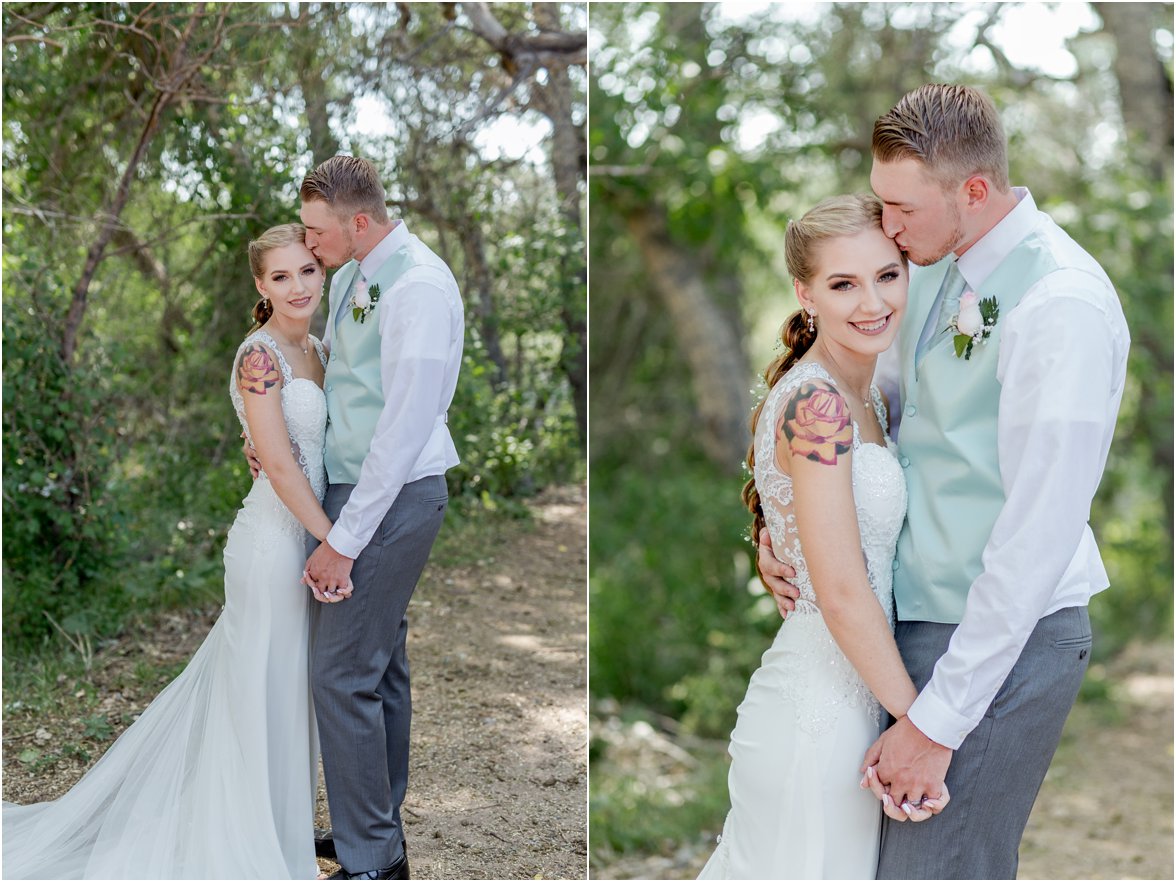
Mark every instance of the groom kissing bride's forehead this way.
pixel 1004 385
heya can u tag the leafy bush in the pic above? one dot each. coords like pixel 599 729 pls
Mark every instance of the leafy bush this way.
pixel 62 535
pixel 673 625
pixel 512 442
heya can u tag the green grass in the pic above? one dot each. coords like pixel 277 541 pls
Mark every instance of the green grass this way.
pixel 627 815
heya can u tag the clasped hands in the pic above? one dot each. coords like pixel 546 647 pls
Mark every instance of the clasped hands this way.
pixel 904 762
pixel 327 573
pixel 904 768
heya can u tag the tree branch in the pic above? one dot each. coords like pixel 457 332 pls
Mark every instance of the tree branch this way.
pixel 546 49
pixel 181 72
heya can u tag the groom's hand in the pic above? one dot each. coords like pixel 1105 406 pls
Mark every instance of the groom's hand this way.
pixel 904 766
pixel 775 575
pixel 251 457
pixel 328 570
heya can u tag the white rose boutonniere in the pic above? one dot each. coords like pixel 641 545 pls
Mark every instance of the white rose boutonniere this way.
pixel 974 322
pixel 363 300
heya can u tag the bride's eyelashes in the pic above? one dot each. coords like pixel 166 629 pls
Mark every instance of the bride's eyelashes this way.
pixel 845 284
pixel 306 271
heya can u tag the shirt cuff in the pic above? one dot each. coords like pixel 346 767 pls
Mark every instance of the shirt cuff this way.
pixel 344 543
pixel 939 722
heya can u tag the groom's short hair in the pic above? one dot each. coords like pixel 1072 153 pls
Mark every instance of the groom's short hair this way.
pixel 954 131
pixel 349 185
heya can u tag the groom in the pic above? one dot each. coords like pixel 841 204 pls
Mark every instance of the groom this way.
pixel 1003 451
pixel 395 330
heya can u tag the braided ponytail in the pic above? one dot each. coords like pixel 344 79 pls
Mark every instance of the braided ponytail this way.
pixel 797 339
pixel 262 310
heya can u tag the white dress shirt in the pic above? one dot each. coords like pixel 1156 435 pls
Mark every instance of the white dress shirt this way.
pixel 1062 366
pixel 422 330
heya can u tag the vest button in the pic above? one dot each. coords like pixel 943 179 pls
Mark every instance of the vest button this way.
pixel 894 565
pixel 902 460
pixel 330 388
pixel 910 408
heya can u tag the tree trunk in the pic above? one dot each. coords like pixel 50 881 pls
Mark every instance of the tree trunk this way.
pixel 480 282
pixel 554 100
pixel 1145 90
pixel 719 369
pixel 1145 96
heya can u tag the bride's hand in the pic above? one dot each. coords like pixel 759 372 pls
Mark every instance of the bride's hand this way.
pixel 931 807
pixel 928 807
pixel 340 593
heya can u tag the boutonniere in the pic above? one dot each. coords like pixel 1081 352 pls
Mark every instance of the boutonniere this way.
pixel 363 300
pixel 974 322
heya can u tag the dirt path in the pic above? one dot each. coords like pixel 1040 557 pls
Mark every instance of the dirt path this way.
pixel 497 786
pixel 1104 811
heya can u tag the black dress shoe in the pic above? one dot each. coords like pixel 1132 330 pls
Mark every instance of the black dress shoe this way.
pixel 324 844
pixel 398 870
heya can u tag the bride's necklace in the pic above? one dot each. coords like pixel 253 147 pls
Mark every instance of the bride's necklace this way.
pixel 865 399
pixel 305 349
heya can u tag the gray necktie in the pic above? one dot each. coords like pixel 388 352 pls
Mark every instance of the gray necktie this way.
pixel 949 306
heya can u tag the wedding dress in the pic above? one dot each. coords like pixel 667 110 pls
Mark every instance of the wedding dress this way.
pixel 217 777
pixel 807 719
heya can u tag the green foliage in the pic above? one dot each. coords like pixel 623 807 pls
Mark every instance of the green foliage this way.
pixel 627 814
pixel 96 728
pixel 60 443
pixel 673 625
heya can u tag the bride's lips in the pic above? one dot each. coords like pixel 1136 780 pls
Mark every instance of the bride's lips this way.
pixel 300 302
pixel 871 329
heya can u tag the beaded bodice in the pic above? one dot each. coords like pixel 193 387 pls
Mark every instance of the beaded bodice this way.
pixel 304 406
pixel 880 498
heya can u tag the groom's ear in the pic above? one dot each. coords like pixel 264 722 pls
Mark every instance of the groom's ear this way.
pixel 976 190
pixel 361 223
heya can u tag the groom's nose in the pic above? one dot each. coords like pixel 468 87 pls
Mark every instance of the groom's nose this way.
pixel 891 221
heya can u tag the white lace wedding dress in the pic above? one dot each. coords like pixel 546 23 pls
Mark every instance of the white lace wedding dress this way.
pixel 807 718
pixel 216 779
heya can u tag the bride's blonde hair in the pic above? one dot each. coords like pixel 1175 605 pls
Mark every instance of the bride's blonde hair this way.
pixel 830 218
pixel 275 237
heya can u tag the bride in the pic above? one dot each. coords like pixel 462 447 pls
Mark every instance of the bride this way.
pixel 826 480
pixel 216 779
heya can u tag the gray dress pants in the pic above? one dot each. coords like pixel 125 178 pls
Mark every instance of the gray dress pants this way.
pixel 996 773
pixel 359 675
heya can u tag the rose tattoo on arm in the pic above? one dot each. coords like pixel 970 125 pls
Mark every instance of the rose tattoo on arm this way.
pixel 256 371
pixel 817 424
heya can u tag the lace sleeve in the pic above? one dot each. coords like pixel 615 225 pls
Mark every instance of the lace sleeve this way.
pixel 880 409
pixel 324 353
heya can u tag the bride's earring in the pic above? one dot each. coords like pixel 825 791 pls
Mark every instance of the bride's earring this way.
pixel 812 325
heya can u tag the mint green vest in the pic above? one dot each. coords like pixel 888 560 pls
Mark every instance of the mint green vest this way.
pixel 948 443
pixel 355 396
